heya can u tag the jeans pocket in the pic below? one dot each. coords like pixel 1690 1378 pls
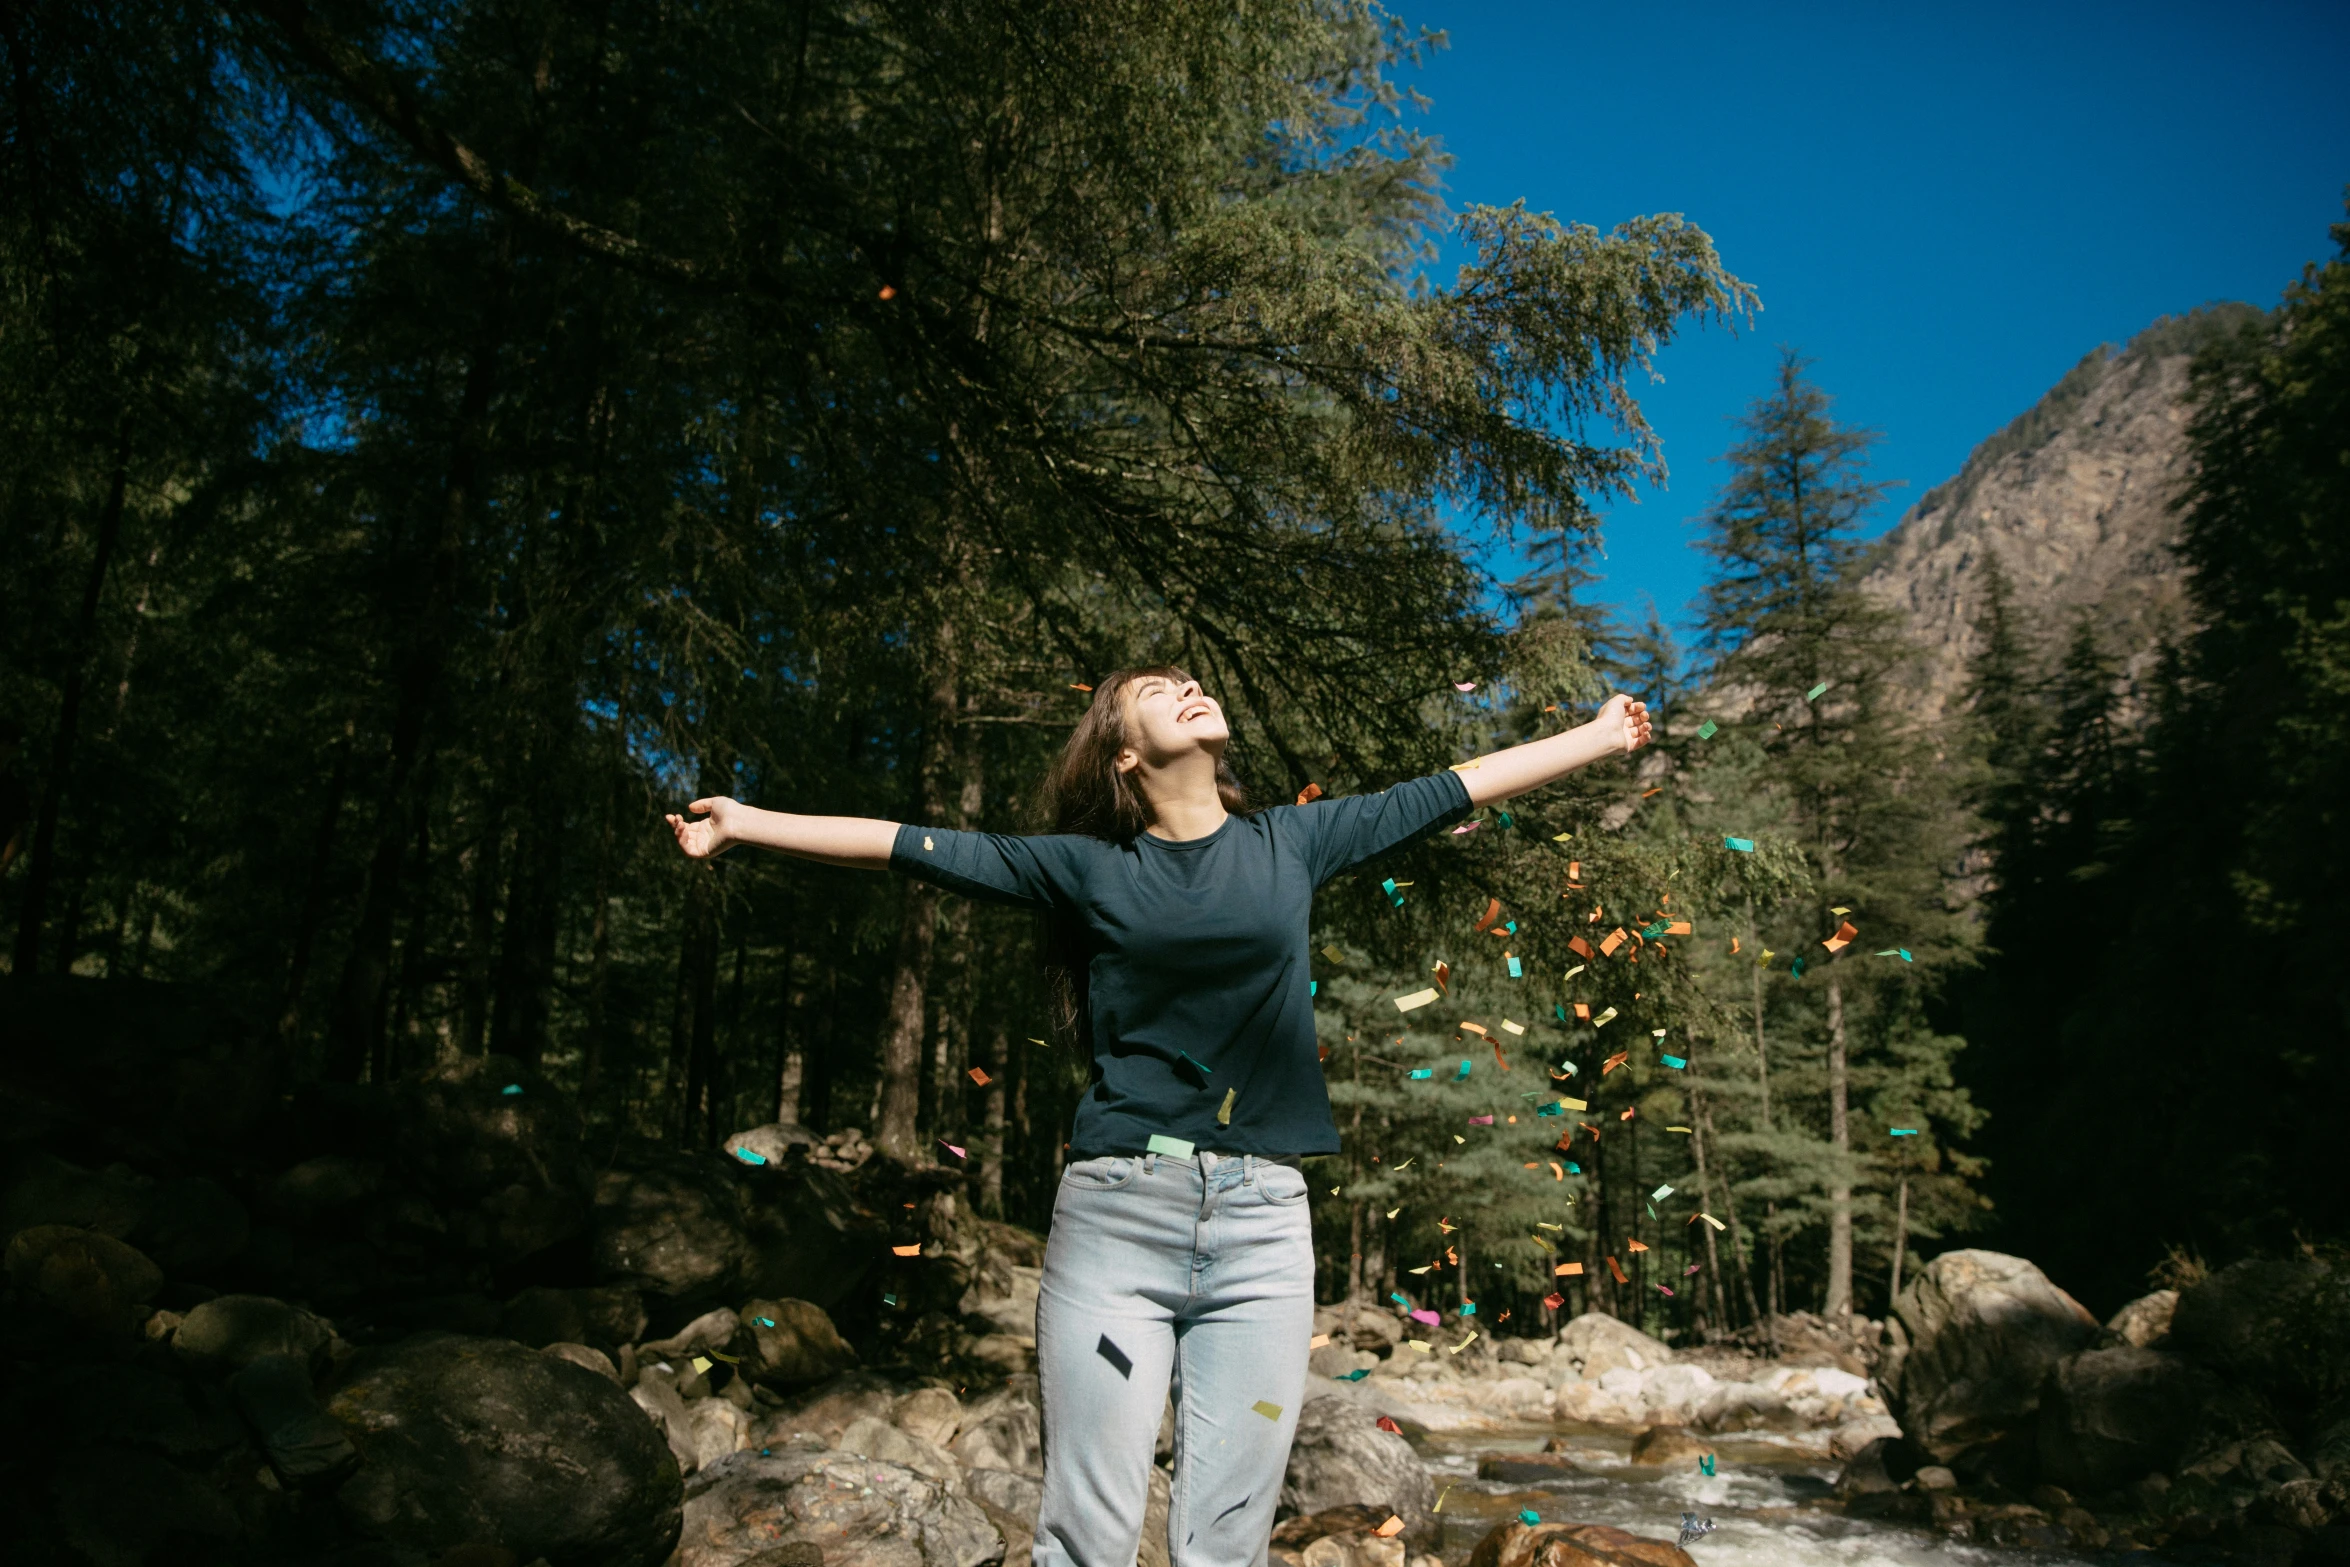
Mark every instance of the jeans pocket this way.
pixel 1282 1186
pixel 1105 1174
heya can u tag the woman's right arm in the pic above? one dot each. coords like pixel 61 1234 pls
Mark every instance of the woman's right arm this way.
pixel 858 842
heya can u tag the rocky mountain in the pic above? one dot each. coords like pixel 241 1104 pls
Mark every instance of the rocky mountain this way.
pixel 2074 498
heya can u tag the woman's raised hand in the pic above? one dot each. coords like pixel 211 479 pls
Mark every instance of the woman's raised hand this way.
pixel 710 837
pixel 1622 715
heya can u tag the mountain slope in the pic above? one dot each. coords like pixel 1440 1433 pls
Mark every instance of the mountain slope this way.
pixel 2074 498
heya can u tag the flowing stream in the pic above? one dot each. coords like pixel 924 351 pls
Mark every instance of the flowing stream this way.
pixel 1771 1507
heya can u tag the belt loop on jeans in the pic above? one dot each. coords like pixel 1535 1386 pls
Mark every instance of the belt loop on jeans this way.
pixel 1248 1169
pixel 1150 1164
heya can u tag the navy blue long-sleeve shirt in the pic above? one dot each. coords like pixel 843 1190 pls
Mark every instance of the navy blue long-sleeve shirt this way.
pixel 1194 949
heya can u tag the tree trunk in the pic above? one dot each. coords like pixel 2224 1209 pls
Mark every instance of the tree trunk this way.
pixel 991 1174
pixel 423 656
pixel 41 869
pixel 1840 1137
pixel 1900 1240
pixel 898 1133
pixel 322 854
pixel 481 925
pixel 1705 1185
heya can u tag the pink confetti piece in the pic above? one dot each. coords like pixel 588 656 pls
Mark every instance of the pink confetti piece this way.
pixel 951 1148
pixel 1466 827
pixel 1429 1317
pixel 1480 1120
pixel 1464 685
pixel 1664 1290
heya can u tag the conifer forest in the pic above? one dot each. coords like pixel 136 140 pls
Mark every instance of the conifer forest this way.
pixel 440 438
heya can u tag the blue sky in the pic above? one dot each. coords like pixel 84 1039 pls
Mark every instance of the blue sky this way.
pixel 1945 211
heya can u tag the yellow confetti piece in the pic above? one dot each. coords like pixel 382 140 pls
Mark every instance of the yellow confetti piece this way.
pixel 1392 1212
pixel 1334 955
pixel 1515 1028
pixel 1839 911
pixel 1317 1341
pixel 1679 1129
pixel 1463 1344
pixel 1269 1411
pixel 1574 1104
pixel 701 1362
pixel 1604 1018
pixel 1413 1343
pixel 1577 969
pixel 1439 1507
pixel 1418 998
pixel 1224 1112
pixel 1710 1219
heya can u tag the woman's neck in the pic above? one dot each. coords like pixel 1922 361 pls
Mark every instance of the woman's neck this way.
pixel 1183 798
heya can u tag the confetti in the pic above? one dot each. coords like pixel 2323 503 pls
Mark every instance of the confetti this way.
pixel 1842 938
pixel 1390 1529
pixel 1425 1315
pixel 951 1148
pixel 511 1088
pixel 1710 1219
pixel 1616 938
pixel 1115 1356
pixel 1705 1465
pixel 1418 998
pixel 748 1157
pixel 1554 1300
pixel 1466 827
pixel 1617 1269
pixel 1309 794
pixel 1677 1129
pixel 888 292
pixel 1224 1111
pixel 1677 1063
pixel 1620 1058
pixel 1604 1019
pixel 1463 1073
pixel 765 1322
pixel 1568 1270
pixel 1573 1104
pixel 1664 1289
pixel 1079 685
pixel 1389 1425
pixel 1422 1073
pixel 1317 1341
pixel 1480 1120
pixel 1515 971
pixel 1464 685
pixel 1660 1194
pixel 1897 952
pixel 979 1075
pixel 1454 1349
pixel 1813 695
pixel 1528 1515
pixel 1708 729
pixel 1492 913
pixel 1903 1131
pixel 914 1250
pixel 1173 1147
pixel 1269 1411
pixel 1741 845
pixel 701 1363
pixel 1353 1376
pixel 1515 1028
pixel 1471 1028
pixel 1635 1244
pixel 1692 1268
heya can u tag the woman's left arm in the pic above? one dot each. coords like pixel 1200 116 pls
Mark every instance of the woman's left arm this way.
pixel 1620 729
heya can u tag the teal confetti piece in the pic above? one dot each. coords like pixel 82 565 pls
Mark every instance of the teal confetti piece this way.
pixel 1795 970
pixel 1813 695
pixel 1511 926
pixel 889 1300
pixel 1352 1376
pixel 1398 1299
pixel 1903 1131
pixel 1560 1008
pixel 1183 1058
pixel 1660 1194
pixel 1573 1168
pixel 1463 1073
pixel 511 1088
pixel 1654 931
pixel 1552 1108
pixel 1313 987
pixel 1468 1308
pixel 1742 845
pixel 765 1322
pixel 1708 729
pixel 1505 819
pixel 1529 1516
pixel 1516 970
pixel 1705 1465
pixel 1173 1147
pixel 748 1157
pixel 1675 1062
pixel 1421 1074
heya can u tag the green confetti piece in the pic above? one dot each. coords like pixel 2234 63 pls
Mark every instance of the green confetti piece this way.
pixel 1660 1194
pixel 1268 1410
pixel 1708 729
pixel 1813 695
pixel 1173 1147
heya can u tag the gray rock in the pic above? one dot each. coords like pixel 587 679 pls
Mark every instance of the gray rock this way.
pixel 769 1144
pixel 2108 1416
pixel 1340 1456
pixel 229 1332
pixel 607 1317
pixel 1004 1432
pixel 878 1439
pixel 2277 1327
pixel 1017 1494
pixel 857 1511
pixel 140 1403
pixel 711 1330
pixel 122 1507
pixel 1336 1360
pixel 1003 1293
pixel 1594 1344
pixel 684 1226
pixel 789 1343
pixel 464 1440
pixel 2145 1321
pixel 43 1189
pixel 583 1355
pixel 656 1394
pixel 828 1409
pixel 83 1279
pixel 931 1413
pixel 1880 1467
pixel 305 1446
pixel 1983 1332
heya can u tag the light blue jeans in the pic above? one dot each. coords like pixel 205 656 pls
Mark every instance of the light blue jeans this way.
pixel 1201 1270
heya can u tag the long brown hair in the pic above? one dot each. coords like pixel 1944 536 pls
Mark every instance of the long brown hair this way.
pixel 1085 793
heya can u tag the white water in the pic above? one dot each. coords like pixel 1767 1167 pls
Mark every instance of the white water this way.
pixel 1770 1507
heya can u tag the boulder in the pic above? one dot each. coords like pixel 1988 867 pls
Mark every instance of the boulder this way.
pixel 1002 1293
pixel 1002 1431
pixel 1743 1406
pixel 1010 1502
pixel 1516 1544
pixel 1982 1333
pixel 858 1512
pixel 828 1409
pixel 84 1280
pixel 2108 1416
pixel 1338 1537
pixel 1677 1393
pixel 889 1444
pixel 655 1392
pixel 193 1228
pixel 789 1343
pixel 608 1316
pixel 42 1189
pixel 711 1330
pixel 229 1332
pixel 769 1144
pixel 715 1427
pixel 2145 1321
pixel 2278 1327
pixel 584 1355
pixel 1367 1324
pixel 697 1226
pixel 1880 1467
pixel 483 1442
pixel 931 1413
pixel 305 1446
pixel 499 1151
pixel 1594 1344
pixel 1668 1445
pixel 1848 1439
pixel 1339 1457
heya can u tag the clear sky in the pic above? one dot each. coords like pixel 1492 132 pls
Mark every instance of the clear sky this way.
pixel 1944 208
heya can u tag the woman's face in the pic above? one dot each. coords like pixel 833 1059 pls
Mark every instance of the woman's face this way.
pixel 1168 719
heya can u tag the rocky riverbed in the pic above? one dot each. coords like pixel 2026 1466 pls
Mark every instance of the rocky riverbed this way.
pixel 427 1326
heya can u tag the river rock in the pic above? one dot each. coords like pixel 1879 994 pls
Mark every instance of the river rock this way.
pixel 499 1150
pixel 1516 1544
pixel 695 1226
pixel 304 1445
pixel 878 1439
pixel 789 1343
pixel 1668 1445
pixel 41 1188
pixel 229 1332
pixel 318 1188
pixel 607 1316
pixel 2279 1327
pixel 1983 1331
pixel 1879 1468
pixel 1003 1430
pixel 711 1330
pixel 1011 1502
pixel 84 1280
pixel 769 1144
pixel 655 1392
pixel 1340 1457
pixel 1594 1344
pixel 1002 1292
pixel 140 1402
pixel 584 1355
pixel 931 1413
pixel 2108 1416
pixel 1675 1394
pixel 2144 1322
pixel 483 1442
pixel 857 1511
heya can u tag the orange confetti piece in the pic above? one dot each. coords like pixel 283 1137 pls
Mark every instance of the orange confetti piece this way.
pixel 1583 1010
pixel 1733 946
pixel 1568 1270
pixel 1578 946
pixel 1616 938
pixel 1443 973
pixel 1629 1112
pixel 1637 1246
pixel 1842 938
pixel 1390 1529
pixel 1680 928
pixel 979 1076
pixel 1309 794
pixel 1474 1028
pixel 1077 685
pixel 1492 913
pixel 1556 1173
pixel 888 292
pixel 1615 1061
pixel 1659 789
pixel 914 1250
pixel 1617 1269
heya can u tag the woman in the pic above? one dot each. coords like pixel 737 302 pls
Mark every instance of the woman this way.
pixel 1180 1240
